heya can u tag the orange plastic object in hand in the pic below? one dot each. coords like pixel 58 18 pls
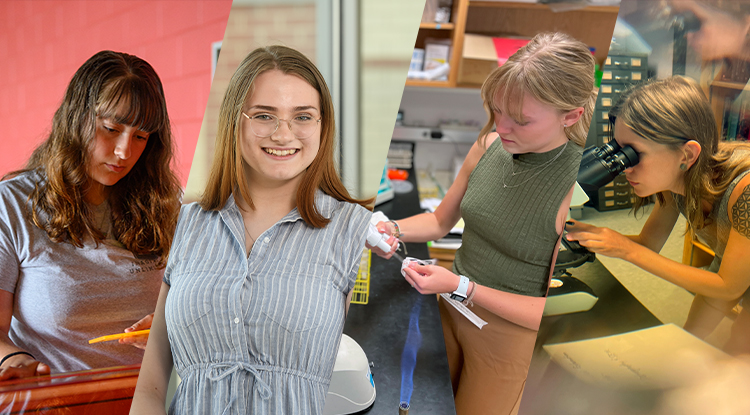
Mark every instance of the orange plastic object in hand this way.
pixel 118 336
pixel 397 174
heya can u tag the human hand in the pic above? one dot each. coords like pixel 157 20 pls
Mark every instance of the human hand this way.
pixel 22 366
pixel 603 241
pixel 140 340
pixel 431 279
pixel 721 35
pixel 386 228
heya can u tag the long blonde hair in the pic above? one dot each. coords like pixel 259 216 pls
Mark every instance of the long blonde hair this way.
pixel 553 68
pixel 671 112
pixel 227 173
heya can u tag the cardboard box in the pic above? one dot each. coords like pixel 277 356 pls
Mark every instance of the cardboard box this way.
pixel 436 54
pixel 482 54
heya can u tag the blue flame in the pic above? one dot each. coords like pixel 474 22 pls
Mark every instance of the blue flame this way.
pixel 409 355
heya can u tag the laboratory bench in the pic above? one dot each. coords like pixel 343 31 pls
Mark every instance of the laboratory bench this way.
pixel 380 327
pixel 550 389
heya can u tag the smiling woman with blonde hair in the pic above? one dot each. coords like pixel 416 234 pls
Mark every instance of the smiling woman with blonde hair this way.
pixel 513 192
pixel 258 281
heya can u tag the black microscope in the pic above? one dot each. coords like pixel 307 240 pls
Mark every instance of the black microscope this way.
pixel 599 166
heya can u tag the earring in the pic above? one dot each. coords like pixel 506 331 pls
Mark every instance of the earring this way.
pixel 683 166
pixel 565 125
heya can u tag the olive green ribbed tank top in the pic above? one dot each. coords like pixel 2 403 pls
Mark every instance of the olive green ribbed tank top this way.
pixel 510 234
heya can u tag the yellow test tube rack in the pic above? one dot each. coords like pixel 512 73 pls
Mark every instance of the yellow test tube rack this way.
pixel 361 292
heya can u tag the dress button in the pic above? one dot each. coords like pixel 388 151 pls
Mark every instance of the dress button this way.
pixel 266 239
pixel 236 320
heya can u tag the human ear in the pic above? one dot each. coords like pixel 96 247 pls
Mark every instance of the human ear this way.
pixel 691 150
pixel 572 117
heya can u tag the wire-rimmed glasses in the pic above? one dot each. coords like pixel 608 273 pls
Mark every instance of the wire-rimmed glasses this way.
pixel 265 125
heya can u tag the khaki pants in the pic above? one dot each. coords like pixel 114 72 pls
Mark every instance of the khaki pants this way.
pixel 489 366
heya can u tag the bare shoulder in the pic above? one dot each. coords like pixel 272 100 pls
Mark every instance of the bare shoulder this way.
pixel 740 189
pixel 478 150
pixel 461 182
pixel 739 203
pixel 491 137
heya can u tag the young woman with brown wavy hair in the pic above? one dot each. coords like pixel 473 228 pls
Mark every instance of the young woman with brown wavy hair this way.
pixel 86 226
pixel 254 297
pixel 682 161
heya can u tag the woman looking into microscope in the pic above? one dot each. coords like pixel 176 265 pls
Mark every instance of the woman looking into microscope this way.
pixel 671 126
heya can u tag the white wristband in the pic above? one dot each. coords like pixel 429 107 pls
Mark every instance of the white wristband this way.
pixel 463 287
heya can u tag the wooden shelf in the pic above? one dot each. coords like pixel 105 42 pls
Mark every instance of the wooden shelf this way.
pixel 539 6
pixel 721 95
pixel 730 85
pixel 453 31
pixel 430 84
pixel 590 24
pixel 436 26
pixel 469 86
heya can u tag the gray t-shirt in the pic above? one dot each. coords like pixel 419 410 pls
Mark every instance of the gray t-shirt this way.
pixel 716 233
pixel 63 295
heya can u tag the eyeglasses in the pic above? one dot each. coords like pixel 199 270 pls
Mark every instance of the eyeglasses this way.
pixel 264 125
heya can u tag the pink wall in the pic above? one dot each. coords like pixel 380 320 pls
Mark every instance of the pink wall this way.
pixel 42 43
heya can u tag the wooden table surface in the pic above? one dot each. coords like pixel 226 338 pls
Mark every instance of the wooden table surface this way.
pixel 98 391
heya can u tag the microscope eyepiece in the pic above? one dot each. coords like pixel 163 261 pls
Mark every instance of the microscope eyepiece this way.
pixel 600 165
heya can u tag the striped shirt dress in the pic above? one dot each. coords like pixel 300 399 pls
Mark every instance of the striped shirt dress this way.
pixel 259 334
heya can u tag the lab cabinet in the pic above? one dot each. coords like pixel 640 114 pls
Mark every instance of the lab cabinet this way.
pixel 592 25
pixel 618 194
pixel 620 72
pixel 730 102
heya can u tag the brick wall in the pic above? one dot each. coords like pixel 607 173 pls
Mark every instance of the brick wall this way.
pixel 42 43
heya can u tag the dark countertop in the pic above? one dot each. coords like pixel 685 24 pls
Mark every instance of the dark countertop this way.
pixel 552 390
pixel 380 327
